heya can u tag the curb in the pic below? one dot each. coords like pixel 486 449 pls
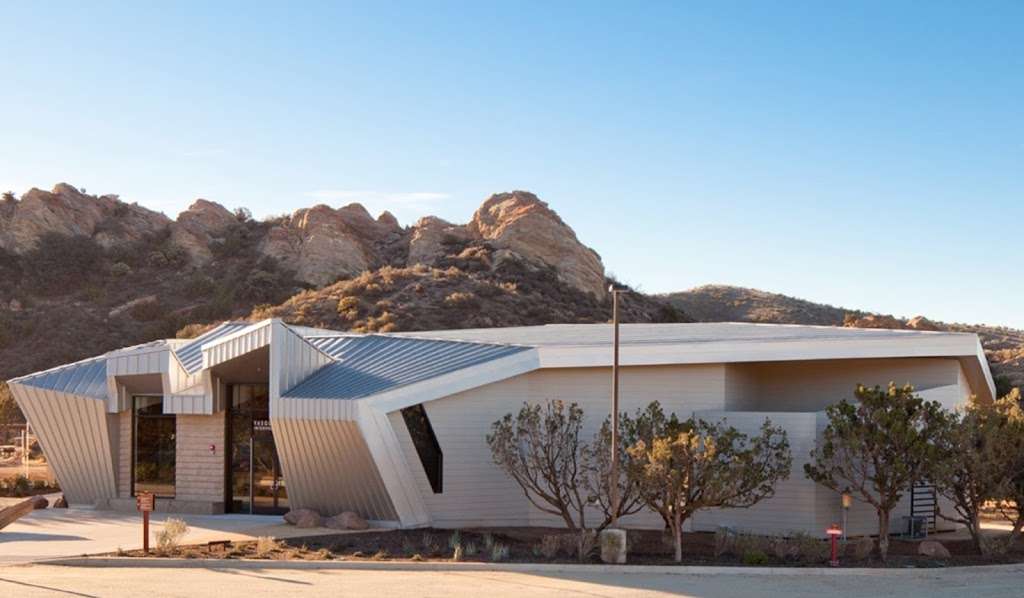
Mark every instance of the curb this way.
pixel 166 563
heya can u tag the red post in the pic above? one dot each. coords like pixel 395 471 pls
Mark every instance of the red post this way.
pixel 833 535
pixel 144 502
pixel 145 533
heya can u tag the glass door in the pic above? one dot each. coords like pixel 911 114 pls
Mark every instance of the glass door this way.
pixel 255 481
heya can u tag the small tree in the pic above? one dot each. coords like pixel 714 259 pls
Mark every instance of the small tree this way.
pixel 978 450
pixel 696 465
pixel 1013 434
pixel 597 467
pixel 540 448
pixel 878 447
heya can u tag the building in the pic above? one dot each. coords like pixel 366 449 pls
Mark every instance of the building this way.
pixel 260 417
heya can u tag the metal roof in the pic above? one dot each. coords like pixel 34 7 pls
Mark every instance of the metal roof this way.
pixel 86 378
pixel 640 334
pixel 372 364
pixel 191 354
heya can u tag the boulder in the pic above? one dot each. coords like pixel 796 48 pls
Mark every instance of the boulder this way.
pixel 861 548
pixel 933 549
pixel 60 503
pixel 39 502
pixel 523 223
pixel 431 237
pixel 303 518
pixel 922 323
pixel 346 520
pixel 199 225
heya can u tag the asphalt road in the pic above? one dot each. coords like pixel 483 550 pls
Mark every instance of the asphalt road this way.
pixel 25 581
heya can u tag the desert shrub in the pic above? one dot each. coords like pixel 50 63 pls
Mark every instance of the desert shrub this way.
pixel 458 553
pixel 461 299
pixel 454 539
pixel 755 557
pixel 168 538
pixel 265 545
pixel 725 541
pixel 120 269
pixel 383 554
pixel 408 546
pixel 499 552
pixel 550 544
pixel 60 263
pixel 147 311
pixel 193 330
pixel 20 486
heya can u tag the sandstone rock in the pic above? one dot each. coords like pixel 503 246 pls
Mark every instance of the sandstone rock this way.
pixel 60 503
pixel 320 245
pixel 523 223
pixel 303 518
pixel 199 225
pixel 933 549
pixel 861 548
pixel 346 520
pixel 430 235
pixel 39 502
pixel 873 321
pixel 66 210
pixel 922 323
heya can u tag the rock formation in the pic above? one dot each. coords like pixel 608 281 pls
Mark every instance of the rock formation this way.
pixel 198 226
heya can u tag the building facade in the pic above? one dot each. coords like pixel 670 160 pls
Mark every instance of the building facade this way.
pixel 263 417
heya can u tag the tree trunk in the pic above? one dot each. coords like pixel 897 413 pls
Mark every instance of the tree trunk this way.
pixel 975 529
pixel 1018 524
pixel 883 534
pixel 677 531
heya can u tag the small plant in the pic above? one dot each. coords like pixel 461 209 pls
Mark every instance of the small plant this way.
pixel 430 544
pixel 264 546
pixel 725 541
pixel 21 486
pixel 382 554
pixel 408 546
pixel 121 552
pixel 499 552
pixel 550 544
pixel 167 539
pixel 416 557
pixel 488 541
pixel 454 540
pixel 755 557
pixel 358 554
pixel 471 549
pixel 459 553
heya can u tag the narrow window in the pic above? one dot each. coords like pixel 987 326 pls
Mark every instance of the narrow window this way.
pixel 153 453
pixel 425 441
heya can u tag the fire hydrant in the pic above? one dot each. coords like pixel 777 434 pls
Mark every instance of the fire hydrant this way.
pixel 834 531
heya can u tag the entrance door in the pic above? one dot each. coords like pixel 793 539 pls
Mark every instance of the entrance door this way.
pixel 254 475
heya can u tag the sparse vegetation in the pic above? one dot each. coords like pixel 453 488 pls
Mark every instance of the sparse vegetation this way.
pixel 170 535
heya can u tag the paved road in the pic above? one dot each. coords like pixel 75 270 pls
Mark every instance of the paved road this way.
pixel 25 581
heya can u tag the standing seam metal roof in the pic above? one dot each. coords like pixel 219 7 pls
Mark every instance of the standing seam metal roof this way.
pixel 191 354
pixel 86 378
pixel 372 364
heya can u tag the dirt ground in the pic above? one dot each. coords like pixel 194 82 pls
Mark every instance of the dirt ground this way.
pixel 529 545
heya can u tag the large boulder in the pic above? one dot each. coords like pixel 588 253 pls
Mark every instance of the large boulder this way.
pixel 347 520
pixel 523 223
pixel 198 226
pixel 60 503
pixel 40 502
pixel 922 323
pixel 303 518
pixel 933 549
pixel 431 237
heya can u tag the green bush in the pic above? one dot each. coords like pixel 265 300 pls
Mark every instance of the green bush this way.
pixel 755 557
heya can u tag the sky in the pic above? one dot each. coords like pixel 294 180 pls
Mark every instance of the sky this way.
pixel 863 154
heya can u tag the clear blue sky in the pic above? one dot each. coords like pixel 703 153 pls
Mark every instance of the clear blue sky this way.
pixel 869 155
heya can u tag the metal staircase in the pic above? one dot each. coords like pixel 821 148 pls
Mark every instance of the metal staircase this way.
pixel 924 503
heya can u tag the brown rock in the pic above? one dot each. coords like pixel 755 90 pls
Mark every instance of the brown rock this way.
pixel 933 549
pixel 523 223
pixel 321 245
pixel 199 225
pixel 60 503
pixel 39 502
pixel 346 520
pixel 922 323
pixel 303 518
pixel 429 238
pixel 873 321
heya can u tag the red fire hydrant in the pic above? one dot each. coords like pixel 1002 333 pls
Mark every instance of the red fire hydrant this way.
pixel 834 531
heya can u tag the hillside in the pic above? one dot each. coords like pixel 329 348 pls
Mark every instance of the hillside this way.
pixel 1004 347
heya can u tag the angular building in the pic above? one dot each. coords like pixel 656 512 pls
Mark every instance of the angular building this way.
pixel 263 417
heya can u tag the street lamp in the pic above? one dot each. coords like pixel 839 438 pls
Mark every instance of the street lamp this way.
pixel 614 474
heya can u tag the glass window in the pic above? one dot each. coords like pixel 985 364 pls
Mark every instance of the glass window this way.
pixel 425 441
pixel 153 450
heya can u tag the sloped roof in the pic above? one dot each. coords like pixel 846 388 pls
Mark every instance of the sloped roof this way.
pixel 86 378
pixel 372 364
pixel 191 354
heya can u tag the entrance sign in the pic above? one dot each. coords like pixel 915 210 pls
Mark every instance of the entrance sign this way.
pixel 144 502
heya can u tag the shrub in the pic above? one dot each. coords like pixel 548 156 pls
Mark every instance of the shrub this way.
pixel 168 538
pixel 550 544
pixel 120 269
pixel 21 486
pixel 459 553
pixel 755 557
pixel 499 552
pixel 455 539
pixel 265 545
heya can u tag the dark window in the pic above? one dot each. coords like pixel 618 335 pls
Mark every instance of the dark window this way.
pixel 425 441
pixel 153 453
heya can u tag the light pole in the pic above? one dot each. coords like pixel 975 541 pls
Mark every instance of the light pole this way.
pixel 614 474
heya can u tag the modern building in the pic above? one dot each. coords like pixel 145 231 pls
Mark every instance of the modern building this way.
pixel 260 417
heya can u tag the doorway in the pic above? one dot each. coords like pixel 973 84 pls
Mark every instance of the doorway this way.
pixel 254 480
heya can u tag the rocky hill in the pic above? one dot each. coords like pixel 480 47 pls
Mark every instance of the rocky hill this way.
pixel 81 274
pixel 1004 347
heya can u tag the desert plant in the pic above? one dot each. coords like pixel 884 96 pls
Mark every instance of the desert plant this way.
pixel 168 538
pixel 488 541
pixel 454 539
pixel 597 467
pixel 878 448
pixel 550 545
pixel 979 448
pixel 1010 406
pixel 540 449
pixel 695 465
pixel 755 557
pixel 265 545
pixel 471 549
pixel 499 552
pixel 383 554
pixel 458 553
